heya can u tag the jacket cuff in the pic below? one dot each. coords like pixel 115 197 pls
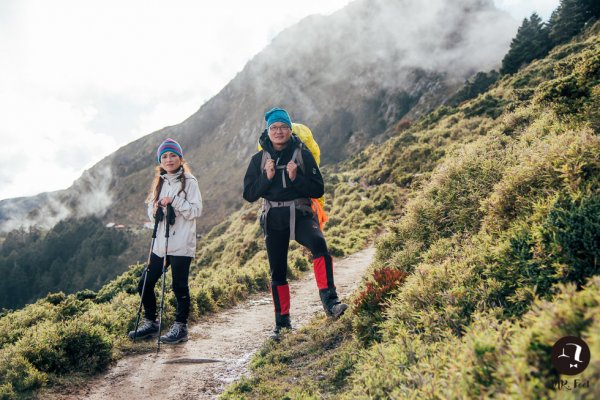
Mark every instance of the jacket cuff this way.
pixel 177 202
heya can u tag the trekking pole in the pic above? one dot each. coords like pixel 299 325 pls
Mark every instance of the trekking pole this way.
pixel 157 218
pixel 168 219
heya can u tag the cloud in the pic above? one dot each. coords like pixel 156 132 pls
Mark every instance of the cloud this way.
pixel 91 197
pixel 81 78
pixel 175 111
pixel 84 78
pixel 94 198
pixel 48 141
pixel 520 9
pixel 457 38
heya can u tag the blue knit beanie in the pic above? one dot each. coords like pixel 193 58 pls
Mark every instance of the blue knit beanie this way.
pixel 277 115
pixel 168 145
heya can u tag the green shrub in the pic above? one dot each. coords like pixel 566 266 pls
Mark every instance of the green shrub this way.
pixel 593 111
pixel 17 374
pixel 486 105
pixel 7 392
pixel 538 166
pixel 73 346
pixel 116 317
pixel 571 234
pixel 17 323
pixel 71 307
pixel 570 91
pixel 514 272
pixel 493 358
pixel 205 302
pixel 86 294
pixel 384 370
pixel 126 282
pixel 56 298
pixel 472 364
pixel 565 95
pixel 525 367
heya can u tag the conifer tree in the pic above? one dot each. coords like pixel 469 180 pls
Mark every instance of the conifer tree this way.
pixel 593 8
pixel 532 41
pixel 475 85
pixel 540 39
pixel 570 17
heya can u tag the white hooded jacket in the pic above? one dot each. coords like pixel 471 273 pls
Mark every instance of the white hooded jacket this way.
pixel 188 207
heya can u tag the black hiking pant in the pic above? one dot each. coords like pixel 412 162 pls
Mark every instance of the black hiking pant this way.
pixel 308 234
pixel 277 239
pixel 180 271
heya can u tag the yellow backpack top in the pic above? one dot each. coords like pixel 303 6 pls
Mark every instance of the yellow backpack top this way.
pixel 304 133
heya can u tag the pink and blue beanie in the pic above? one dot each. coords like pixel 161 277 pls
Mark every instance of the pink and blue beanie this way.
pixel 168 145
pixel 277 115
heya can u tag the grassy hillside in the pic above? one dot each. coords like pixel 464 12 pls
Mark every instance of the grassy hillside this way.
pixel 63 338
pixel 494 258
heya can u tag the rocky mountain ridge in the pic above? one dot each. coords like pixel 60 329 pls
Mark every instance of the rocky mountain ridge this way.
pixel 349 76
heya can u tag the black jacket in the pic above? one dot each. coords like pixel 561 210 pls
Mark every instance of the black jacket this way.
pixel 307 184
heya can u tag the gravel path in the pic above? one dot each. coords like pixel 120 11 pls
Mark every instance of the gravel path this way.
pixel 219 347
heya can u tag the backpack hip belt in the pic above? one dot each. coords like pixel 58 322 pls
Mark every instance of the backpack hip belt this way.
pixel 298 204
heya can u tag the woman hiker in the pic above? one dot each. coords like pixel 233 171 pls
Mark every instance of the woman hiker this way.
pixel 287 213
pixel 173 185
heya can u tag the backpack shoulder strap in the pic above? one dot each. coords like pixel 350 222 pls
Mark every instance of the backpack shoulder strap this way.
pixel 263 161
pixel 297 157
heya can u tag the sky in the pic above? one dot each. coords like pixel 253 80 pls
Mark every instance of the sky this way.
pixel 79 79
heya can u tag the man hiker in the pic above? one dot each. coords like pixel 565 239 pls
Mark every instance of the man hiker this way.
pixel 274 175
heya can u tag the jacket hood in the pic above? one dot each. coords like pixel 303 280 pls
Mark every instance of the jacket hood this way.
pixel 173 177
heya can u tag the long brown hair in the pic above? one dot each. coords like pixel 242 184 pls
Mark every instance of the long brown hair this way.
pixel 157 182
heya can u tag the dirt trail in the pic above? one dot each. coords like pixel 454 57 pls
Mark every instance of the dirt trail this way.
pixel 219 348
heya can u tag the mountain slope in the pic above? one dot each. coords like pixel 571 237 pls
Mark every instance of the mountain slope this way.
pixel 493 260
pixel 349 76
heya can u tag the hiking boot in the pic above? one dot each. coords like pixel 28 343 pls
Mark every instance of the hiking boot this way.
pixel 282 323
pixel 178 333
pixel 148 329
pixel 278 331
pixel 332 305
pixel 337 310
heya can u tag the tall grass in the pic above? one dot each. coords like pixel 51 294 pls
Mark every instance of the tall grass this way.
pixel 495 252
